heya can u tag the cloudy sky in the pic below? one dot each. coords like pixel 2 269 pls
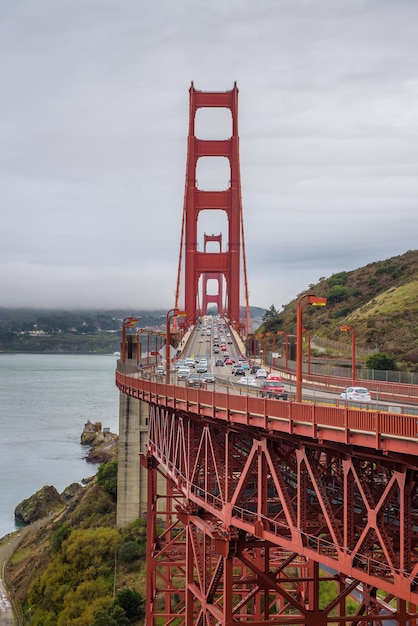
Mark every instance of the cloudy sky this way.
pixel 94 98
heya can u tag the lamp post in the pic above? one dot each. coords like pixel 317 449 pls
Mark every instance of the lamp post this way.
pixel 128 322
pixel 250 345
pixel 270 343
pixel 304 301
pixel 260 337
pixel 353 349
pixel 308 336
pixel 286 346
pixel 172 313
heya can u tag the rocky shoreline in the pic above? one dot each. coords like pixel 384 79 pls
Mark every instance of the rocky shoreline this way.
pixel 102 443
pixel 102 446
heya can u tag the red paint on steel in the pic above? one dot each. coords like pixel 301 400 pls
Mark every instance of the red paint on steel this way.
pixel 225 263
pixel 266 496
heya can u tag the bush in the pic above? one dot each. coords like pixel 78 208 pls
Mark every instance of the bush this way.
pixel 132 603
pixel 338 293
pixel 128 552
pixel 59 536
pixel 381 361
pixel 107 477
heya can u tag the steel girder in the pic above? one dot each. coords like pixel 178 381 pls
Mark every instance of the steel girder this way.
pixel 263 528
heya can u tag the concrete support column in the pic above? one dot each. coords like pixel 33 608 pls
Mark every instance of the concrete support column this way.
pixel 132 479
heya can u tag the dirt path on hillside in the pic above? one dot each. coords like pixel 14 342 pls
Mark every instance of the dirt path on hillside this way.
pixel 7 549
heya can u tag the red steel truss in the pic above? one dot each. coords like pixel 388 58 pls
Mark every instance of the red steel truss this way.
pixel 277 513
pixel 223 263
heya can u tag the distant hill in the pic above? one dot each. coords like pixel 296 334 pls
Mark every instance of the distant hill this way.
pixel 78 331
pixel 380 300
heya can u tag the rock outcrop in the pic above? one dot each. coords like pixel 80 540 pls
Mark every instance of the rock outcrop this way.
pixel 39 505
pixel 103 444
pixel 71 491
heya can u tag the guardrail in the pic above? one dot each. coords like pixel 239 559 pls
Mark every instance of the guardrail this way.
pixel 373 429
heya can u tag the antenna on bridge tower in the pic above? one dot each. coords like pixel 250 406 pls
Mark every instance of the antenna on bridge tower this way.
pixel 223 266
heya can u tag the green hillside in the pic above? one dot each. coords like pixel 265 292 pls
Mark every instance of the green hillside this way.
pixel 380 300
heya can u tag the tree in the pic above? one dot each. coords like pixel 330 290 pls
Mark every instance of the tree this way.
pixel 114 616
pixel 271 318
pixel 132 603
pixel 107 477
pixel 381 361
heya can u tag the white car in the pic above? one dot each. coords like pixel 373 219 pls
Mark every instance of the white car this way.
pixel 261 374
pixel 358 394
pixel 247 380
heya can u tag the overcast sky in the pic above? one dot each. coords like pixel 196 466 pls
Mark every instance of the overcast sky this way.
pixel 94 98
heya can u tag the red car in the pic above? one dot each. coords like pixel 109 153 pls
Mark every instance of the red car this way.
pixel 229 361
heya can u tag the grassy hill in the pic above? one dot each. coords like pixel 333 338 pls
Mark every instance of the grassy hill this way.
pixel 380 300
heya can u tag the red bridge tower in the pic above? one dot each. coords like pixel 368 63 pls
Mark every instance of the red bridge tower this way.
pixel 203 265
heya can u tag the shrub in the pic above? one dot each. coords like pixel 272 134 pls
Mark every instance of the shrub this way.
pixel 338 293
pixel 381 361
pixel 107 477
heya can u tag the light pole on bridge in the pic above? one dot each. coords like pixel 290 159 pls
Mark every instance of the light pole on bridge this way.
pixel 128 322
pixel 304 301
pixel 353 349
pixel 286 346
pixel 172 313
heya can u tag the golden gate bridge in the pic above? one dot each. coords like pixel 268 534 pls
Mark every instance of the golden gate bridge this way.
pixel 260 511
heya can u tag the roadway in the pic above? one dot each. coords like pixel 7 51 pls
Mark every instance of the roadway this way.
pixel 200 344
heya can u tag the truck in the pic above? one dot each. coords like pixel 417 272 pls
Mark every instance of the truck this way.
pixel 272 387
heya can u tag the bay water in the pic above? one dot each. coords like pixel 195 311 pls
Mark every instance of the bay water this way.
pixel 45 400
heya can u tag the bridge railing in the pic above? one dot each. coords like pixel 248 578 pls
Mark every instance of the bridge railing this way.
pixel 375 429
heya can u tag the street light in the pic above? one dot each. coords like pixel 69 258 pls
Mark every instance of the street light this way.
pixel 308 335
pixel 139 331
pixel 304 301
pixel 172 313
pixel 261 345
pixel 128 322
pixel 353 349
pixel 286 345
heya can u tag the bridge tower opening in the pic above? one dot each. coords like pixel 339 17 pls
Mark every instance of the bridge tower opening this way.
pixel 217 277
pixel 203 265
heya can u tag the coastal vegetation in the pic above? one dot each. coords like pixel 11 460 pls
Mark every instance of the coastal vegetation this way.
pixel 79 569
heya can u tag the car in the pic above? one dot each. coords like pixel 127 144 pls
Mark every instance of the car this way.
pixel 216 350
pixel 200 341
pixel 273 388
pixel 194 380
pixel 238 371
pixel 261 373
pixel 219 363
pixel 255 368
pixel 208 377
pixel 183 373
pixel 201 368
pixel 160 370
pixel 229 361
pixel 357 394
pixel 245 366
pixel 248 380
